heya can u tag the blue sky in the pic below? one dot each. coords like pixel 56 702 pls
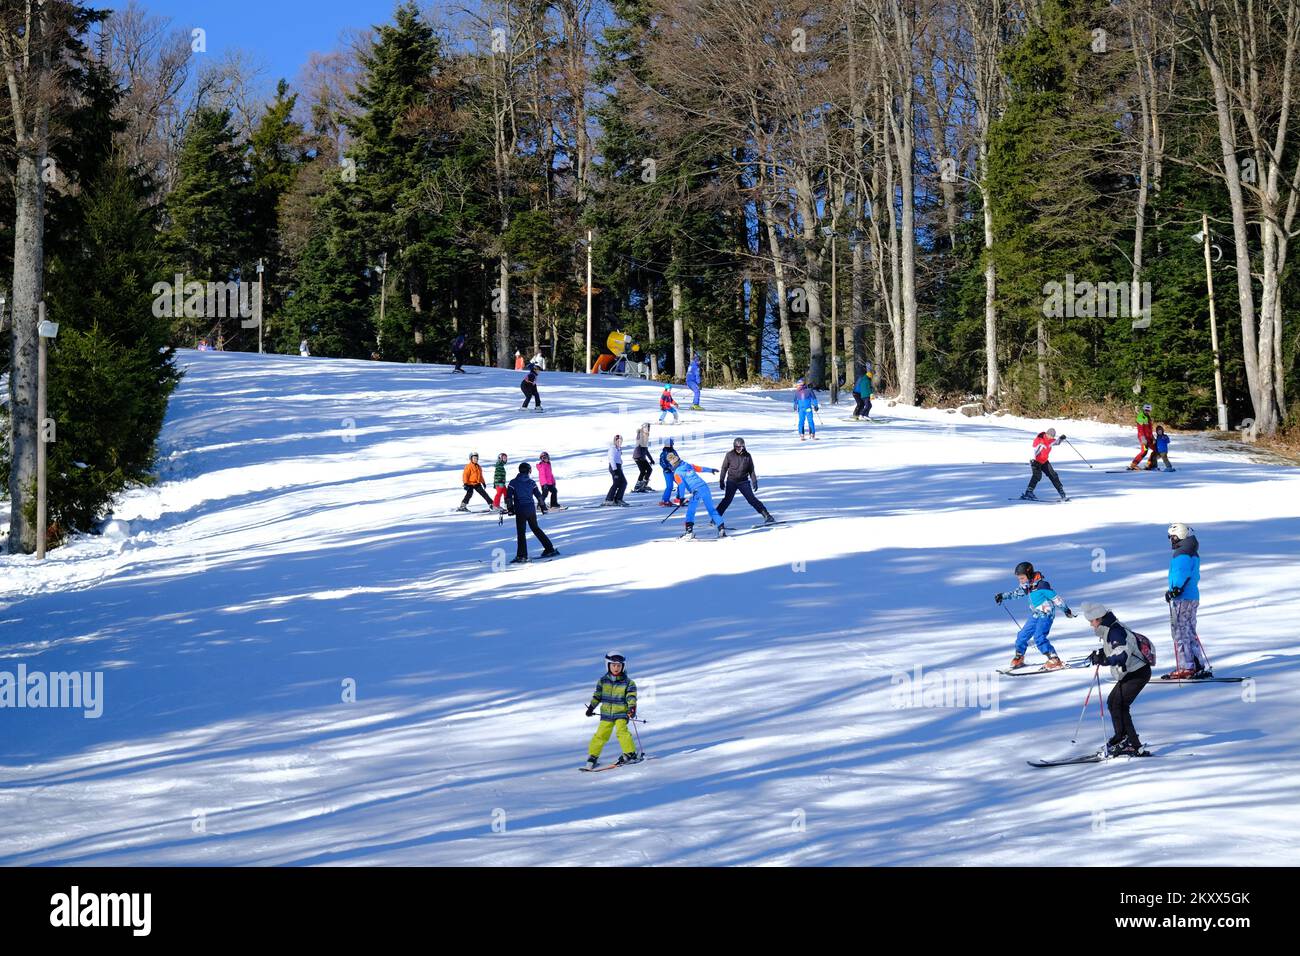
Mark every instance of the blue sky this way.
pixel 279 33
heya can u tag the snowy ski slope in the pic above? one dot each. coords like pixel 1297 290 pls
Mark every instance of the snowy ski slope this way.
pixel 302 538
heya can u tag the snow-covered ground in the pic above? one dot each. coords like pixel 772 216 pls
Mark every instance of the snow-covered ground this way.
pixel 301 541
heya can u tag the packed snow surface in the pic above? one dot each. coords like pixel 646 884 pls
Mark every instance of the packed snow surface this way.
pixel 308 658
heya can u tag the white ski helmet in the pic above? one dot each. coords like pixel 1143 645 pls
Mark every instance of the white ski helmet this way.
pixel 1179 530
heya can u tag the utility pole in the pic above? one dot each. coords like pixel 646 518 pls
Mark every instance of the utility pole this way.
pixel 259 306
pixel 383 289
pixel 1214 328
pixel 45 330
pixel 835 373
pixel 587 366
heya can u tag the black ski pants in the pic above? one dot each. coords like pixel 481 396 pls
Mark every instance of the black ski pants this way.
pixel 619 486
pixel 529 521
pixel 1121 699
pixel 746 489
pixel 530 393
pixel 1044 468
pixel 469 493
pixel 861 406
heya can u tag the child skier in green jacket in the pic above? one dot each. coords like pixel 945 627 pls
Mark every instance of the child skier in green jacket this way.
pixel 499 481
pixel 616 696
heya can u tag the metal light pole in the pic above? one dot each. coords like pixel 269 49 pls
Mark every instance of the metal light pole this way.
pixel 1204 238
pixel 382 269
pixel 45 330
pixel 587 366
pixel 259 306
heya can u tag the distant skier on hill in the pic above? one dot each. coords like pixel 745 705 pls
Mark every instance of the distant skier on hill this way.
pixel 529 387
pixel 687 477
pixel 1043 602
pixel 805 403
pixel 459 352
pixel 472 479
pixel 668 474
pixel 616 697
pixel 862 393
pixel 1121 651
pixel 520 497
pixel 1184 599
pixel 667 404
pixel 737 474
pixel 1039 466
pixel 1146 438
pixel 693 381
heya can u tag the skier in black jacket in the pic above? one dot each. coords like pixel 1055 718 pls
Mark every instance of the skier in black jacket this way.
pixel 520 494
pixel 737 474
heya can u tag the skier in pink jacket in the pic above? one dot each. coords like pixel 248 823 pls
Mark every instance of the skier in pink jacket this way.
pixel 546 480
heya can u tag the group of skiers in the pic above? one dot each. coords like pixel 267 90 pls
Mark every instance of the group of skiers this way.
pixel 1129 654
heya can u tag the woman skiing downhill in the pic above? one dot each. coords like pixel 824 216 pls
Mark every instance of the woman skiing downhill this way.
pixel 615 695
pixel 1039 466
pixel 667 469
pixel 687 477
pixel 1121 651
pixel 644 461
pixel 499 481
pixel 805 403
pixel 614 497
pixel 1043 602
pixel 1184 600
pixel 546 481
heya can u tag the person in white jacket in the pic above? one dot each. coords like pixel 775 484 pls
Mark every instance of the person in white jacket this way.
pixel 539 361
pixel 614 499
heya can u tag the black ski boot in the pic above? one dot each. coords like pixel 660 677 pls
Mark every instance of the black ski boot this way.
pixel 550 553
pixel 722 531
pixel 768 519
pixel 522 559
pixel 628 758
pixel 690 530
pixel 1028 496
pixel 591 762
pixel 463 508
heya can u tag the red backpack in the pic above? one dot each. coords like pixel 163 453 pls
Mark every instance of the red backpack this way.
pixel 1146 648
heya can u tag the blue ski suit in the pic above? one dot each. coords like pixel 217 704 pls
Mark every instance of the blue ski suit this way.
pixel 693 379
pixel 805 403
pixel 1043 602
pixel 667 470
pixel 688 476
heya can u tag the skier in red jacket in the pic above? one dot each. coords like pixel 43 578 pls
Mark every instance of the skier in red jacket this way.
pixel 1043 444
pixel 1146 438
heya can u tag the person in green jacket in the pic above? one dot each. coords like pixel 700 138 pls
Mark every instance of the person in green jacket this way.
pixel 862 393
pixel 499 481
pixel 616 696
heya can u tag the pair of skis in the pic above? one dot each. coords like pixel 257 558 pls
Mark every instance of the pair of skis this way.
pixel 614 766
pixel 1098 756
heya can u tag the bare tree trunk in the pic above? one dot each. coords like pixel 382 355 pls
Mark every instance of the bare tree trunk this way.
pixel 650 331
pixel 679 336
pixel 1042 362
pixel 502 307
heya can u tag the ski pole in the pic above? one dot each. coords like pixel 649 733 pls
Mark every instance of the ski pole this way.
pixel 1082 711
pixel 670 514
pixel 1101 711
pixel 639 748
pixel 1079 453
pixel 1012 616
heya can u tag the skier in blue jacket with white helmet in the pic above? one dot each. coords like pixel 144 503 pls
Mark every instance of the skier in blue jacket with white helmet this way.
pixel 688 478
pixel 1184 597
pixel 805 403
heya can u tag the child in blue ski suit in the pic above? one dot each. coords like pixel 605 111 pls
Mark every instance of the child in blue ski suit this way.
pixel 1043 602
pixel 687 475
pixel 805 403
pixel 668 473
pixel 693 381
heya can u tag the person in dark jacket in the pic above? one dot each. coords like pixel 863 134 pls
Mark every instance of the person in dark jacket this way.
pixel 667 469
pixel 458 351
pixel 862 393
pixel 520 495
pixel 737 474
pixel 1128 666
pixel 529 387
pixel 644 461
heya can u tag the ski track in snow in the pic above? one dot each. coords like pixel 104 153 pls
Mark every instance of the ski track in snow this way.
pixel 302 535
